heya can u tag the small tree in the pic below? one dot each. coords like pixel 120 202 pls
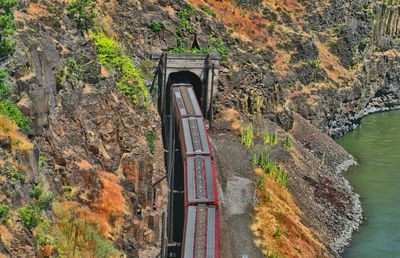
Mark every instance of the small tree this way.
pixel 7 27
pixel 83 13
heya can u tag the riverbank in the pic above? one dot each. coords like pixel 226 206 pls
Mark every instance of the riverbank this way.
pixel 326 203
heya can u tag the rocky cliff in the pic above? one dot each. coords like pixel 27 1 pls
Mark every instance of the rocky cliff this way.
pixel 298 67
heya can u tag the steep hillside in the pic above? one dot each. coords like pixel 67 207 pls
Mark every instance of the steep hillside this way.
pixel 86 175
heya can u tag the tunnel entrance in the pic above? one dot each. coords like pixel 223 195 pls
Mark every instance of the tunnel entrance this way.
pixel 184 77
pixel 190 78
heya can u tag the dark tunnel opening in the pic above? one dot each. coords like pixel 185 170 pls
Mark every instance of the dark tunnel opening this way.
pixel 184 77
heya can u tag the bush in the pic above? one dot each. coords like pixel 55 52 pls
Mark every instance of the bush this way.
pixel 36 192
pixel 288 142
pixel 129 81
pixel 155 26
pixel 5 91
pixel 7 27
pixel 45 200
pixel 4 213
pixel 8 108
pixel 150 140
pixel 30 215
pixel 83 13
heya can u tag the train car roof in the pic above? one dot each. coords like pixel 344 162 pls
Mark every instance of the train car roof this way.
pixel 201 232
pixel 195 136
pixel 185 100
pixel 200 180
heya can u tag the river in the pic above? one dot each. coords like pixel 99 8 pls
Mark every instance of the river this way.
pixel 376 146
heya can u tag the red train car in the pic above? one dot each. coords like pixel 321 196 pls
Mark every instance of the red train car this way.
pixel 200 185
pixel 185 101
pixel 201 235
pixel 194 137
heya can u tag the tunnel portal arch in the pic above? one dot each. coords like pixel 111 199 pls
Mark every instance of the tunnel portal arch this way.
pixel 200 70
pixel 190 78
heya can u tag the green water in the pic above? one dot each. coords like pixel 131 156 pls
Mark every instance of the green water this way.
pixel 376 146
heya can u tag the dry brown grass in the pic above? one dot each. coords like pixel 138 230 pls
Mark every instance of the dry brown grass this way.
pixel 281 212
pixel 9 130
pixel 110 203
pixel 230 115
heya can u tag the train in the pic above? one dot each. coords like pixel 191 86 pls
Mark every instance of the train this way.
pixel 201 228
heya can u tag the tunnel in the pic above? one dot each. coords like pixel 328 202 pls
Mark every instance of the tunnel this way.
pixel 184 77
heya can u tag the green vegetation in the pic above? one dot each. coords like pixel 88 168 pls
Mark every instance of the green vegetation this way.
pixel 261 181
pixel 288 142
pixel 272 254
pixel 36 192
pixel 274 138
pixel 277 233
pixel 77 237
pixel 43 234
pixel 71 70
pixel 4 213
pixel 207 10
pixel 67 189
pixel 271 169
pixel 150 140
pixel 323 159
pixel 184 26
pixel 155 26
pixel 14 174
pixel 30 215
pixel 7 27
pixel 254 159
pixel 83 13
pixel 45 200
pixel 247 135
pixel 9 109
pixel 129 80
pixel 266 138
pixel 315 62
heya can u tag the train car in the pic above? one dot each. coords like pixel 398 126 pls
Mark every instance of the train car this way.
pixel 199 177
pixel 185 101
pixel 194 137
pixel 201 232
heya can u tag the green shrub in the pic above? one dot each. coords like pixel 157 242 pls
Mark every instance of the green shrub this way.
pixel 36 192
pixel 261 181
pixel 45 200
pixel 266 138
pixel 30 215
pixel 129 81
pixel 4 213
pixel 155 26
pixel 247 136
pixel 8 108
pixel 67 189
pixel 288 142
pixel 5 91
pixel 315 62
pixel 150 140
pixel 207 10
pixel 274 138
pixel 75 237
pixel 7 27
pixel 83 13
pixel 254 159
pixel 277 233
pixel 43 235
